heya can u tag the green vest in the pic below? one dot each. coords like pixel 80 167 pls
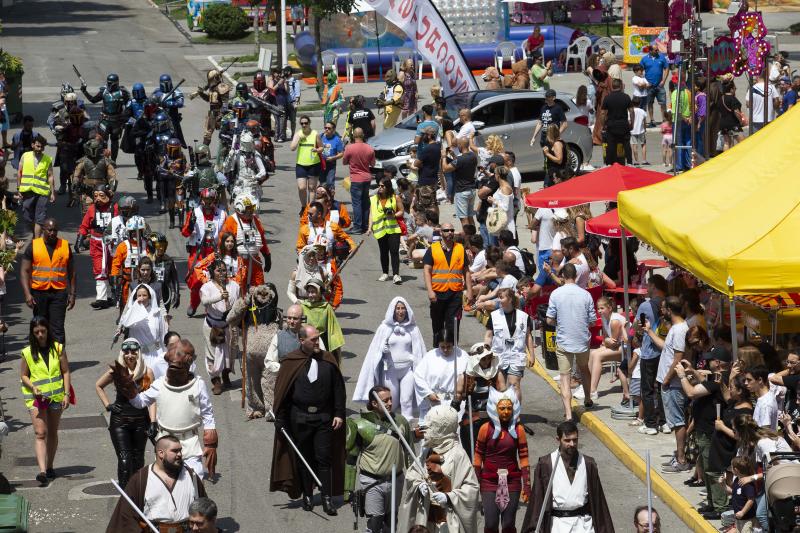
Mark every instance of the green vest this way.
pixel 305 156
pixel 47 378
pixel 383 223
pixel 34 177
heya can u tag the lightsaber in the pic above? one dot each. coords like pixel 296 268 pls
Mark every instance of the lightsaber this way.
pixel 392 515
pixel 135 507
pixel 649 496
pixel 471 428
pixel 547 493
pixel 297 451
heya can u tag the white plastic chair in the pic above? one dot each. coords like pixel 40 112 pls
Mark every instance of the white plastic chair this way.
pixel 577 50
pixel 505 50
pixel 356 59
pixel 400 55
pixel 421 63
pixel 609 44
pixel 329 61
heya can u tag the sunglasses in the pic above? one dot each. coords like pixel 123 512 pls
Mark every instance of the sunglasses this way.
pixel 448 231
pixel 305 123
pixel 130 347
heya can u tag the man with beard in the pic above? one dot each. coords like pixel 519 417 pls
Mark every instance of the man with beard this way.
pixel 576 502
pixel 310 406
pixel 183 406
pixel 163 491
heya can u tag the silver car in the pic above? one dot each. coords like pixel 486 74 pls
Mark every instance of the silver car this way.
pixel 510 114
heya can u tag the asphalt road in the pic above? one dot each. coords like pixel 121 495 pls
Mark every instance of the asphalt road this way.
pixel 136 41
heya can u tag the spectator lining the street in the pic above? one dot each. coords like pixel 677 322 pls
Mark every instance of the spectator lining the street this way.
pixel 638 132
pixel 666 140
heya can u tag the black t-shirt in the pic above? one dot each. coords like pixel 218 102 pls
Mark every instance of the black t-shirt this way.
pixel 483 208
pixel 617 104
pixel 430 156
pixel 723 448
pixel 704 409
pixel 464 174
pixel 792 382
pixel 362 118
pixel 512 325
pixel 553 114
pixel 739 496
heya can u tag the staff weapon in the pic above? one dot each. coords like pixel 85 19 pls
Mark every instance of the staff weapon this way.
pixel 134 506
pixel 297 451
pixel 77 72
pixel 344 263
pixel 547 493
pixel 223 71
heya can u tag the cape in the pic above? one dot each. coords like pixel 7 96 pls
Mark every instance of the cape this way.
pixel 125 519
pixel 321 315
pixel 601 517
pixel 284 476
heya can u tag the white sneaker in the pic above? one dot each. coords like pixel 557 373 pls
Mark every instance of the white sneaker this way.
pixel 647 431
pixel 594 396
pixel 578 394
pixel 383 277
pixel 665 429
pixel 397 279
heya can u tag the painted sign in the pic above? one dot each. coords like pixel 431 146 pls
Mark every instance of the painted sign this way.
pixel 722 55
pixel 638 41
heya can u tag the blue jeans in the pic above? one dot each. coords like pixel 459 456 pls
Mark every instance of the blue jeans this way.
pixel 328 176
pixel 451 184
pixel 683 159
pixel 359 194
pixel 699 139
pixel 762 513
pixel 488 238
pixel 542 278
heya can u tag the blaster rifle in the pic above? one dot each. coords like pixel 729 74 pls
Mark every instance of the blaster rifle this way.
pixel 208 85
pixel 175 88
pixel 77 73
pixel 344 264
pixel 272 108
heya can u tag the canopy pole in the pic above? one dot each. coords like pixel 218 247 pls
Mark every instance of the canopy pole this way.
pixel 624 260
pixel 774 328
pixel 734 336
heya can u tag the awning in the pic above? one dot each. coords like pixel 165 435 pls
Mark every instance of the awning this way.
pixel 599 186
pixel 606 225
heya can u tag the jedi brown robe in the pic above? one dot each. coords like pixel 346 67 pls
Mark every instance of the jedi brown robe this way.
pixel 285 477
pixel 125 519
pixel 601 517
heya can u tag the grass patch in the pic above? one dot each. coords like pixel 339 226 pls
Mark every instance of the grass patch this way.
pixel 310 107
pixel 249 38
pixel 242 59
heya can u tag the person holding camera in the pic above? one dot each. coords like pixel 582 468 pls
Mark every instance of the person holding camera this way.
pixel 308 145
pixel 386 208
pixel 391 99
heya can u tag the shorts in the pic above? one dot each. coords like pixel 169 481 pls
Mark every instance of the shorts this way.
pixel 643 100
pixel 543 278
pixel 52 406
pixel 492 285
pixel 666 140
pixel 465 203
pixel 565 359
pixel 639 138
pixel 674 407
pixel 657 92
pixel 34 208
pixel 635 387
pixel 307 171
pixel 513 370
pixel 298 13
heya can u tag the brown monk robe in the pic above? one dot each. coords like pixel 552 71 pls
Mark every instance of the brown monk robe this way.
pixel 433 464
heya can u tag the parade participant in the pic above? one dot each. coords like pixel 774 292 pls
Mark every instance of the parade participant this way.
pixel 94 225
pixel 47 276
pixel 126 258
pixel 216 93
pixel 576 502
pixel 112 112
pixel 92 169
pixel 482 374
pixel 308 146
pixel 228 254
pixel 171 169
pixel 436 374
pixel 155 152
pixel 374 448
pixel 247 167
pixel 163 491
pixel 509 333
pixel 47 391
pixel 319 313
pixel 333 210
pixel 292 100
pixel 143 274
pixel 501 462
pixel 207 176
pixel 446 274
pixel 263 145
pixel 202 227
pixel 447 496
pixel 395 350
pixel 68 127
pixel 203 516
pixel 241 94
pixel 251 241
pixel 232 124
pixel 166 281
pixel 258 314
pixel 314 262
pixel 142 132
pixel 386 208
pixel 391 99
pixel 218 295
pixel 183 407
pixel 310 406
pixel 116 231
pixel 35 184
pixel 129 427
pixel 170 98
pixel 261 93
pixel 322 230
pixel 332 98
pixel 144 320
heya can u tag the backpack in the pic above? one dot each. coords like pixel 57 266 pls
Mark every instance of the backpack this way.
pixel 528 260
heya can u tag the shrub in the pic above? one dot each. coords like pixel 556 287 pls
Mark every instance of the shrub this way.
pixel 224 21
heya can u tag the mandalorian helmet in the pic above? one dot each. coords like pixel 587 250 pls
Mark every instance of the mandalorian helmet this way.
pixel 138 93
pixel 174 148
pixel 158 241
pixel 202 154
pixel 240 109
pixel 112 82
pixel 241 90
pixel 92 149
pixel 165 83
pixel 259 81
pixel 66 88
pixel 161 123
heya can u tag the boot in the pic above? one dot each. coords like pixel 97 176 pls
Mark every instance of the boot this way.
pixel 490 530
pixel 511 529
pixel 327 506
pixel 216 386
pixel 226 378
pixel 308 503
pixel 62 189
pixel 149 198
pixel 172 218
pixel 190 311
pixel 163 208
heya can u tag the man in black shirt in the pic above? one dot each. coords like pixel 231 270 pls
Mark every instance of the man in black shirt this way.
pixel 310 405
pixel 487 186
pixel 463 167
pixel 707 402
pixel 429 158
pixel 551 113
pixel 617 110
pixel 789 378
pixel 360 117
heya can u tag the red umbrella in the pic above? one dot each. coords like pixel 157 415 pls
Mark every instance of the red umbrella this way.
pixel 606 225
pixel 599 186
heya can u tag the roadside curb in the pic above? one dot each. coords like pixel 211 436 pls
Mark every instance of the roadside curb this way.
pixel 181 29
pixel 679 505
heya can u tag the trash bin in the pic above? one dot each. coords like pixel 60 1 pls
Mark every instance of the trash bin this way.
pixel 548 339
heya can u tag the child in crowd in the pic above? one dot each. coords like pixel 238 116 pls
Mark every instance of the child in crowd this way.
pixel 666 139
pixel 413 171
pixel 635 380
pixel 743 497
pixel 422 237
pixel 638 132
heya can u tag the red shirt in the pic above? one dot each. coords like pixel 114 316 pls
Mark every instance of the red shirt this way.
pixel 361 158
pixel 535 41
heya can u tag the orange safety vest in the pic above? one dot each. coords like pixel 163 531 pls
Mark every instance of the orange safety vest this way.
pixel 446 277
pixel 49 273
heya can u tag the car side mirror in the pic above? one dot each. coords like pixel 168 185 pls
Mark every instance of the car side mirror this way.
pixel 478 124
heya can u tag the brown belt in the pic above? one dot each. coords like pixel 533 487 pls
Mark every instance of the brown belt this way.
pixel 168 527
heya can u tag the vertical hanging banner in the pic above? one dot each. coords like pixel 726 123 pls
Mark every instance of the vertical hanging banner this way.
pixel 421 21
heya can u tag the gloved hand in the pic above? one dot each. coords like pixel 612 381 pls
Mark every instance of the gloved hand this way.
pixel 152 431
pixel 114 408
pixel 123 381
pixel 456 405
pixel 210 441
pixel 440 498
pixel 84 242
pixel 267 262
pixel 188 248
pixel 423 489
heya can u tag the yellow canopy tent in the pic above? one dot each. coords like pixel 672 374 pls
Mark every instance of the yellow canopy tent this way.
pixel 733 221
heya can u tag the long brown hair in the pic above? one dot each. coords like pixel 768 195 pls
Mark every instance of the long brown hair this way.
pixel 748 433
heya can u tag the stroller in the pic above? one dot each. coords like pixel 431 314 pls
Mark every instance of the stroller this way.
pixel 782 486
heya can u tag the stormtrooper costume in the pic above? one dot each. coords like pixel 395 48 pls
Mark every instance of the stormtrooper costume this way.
pixel 248 167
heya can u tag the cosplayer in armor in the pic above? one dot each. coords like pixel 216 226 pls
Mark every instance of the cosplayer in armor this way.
pixel 202 228
pixel 170 170
pixel 92 169
pixel 126 258
pixel 251 241
pixel 261 93
pixel 263 144
pixel 155 150
pixel 116 232
pixel 112 116
pixel 171 99
pixel 247 167
pixel 165 274
pixel 96 222
pixel 232 125
pixel 69 125
pixel 216 93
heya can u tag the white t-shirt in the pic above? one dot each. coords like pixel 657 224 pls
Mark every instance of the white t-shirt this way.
pixel 765 413
pixel 466 130
pixel 675 342
pixel 479 262
pixel 518 262
pixel 583 272
pixel 508 282
pixel 557 236
pixel 637 373
pixel 637 91
pixel 639 119
pixel 546 229
pixel 516 178
pixel 758 103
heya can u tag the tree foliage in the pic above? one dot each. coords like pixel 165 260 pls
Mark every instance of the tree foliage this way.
pixel 224 21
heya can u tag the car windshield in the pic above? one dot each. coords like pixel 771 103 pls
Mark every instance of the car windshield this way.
pixel 453 104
